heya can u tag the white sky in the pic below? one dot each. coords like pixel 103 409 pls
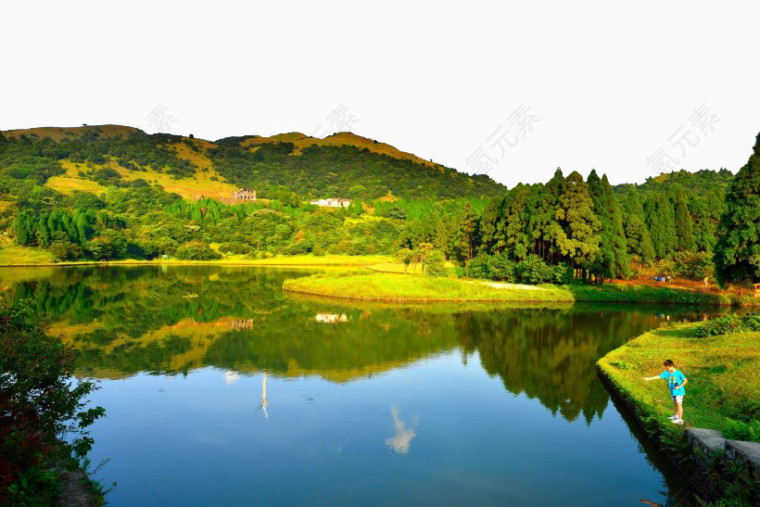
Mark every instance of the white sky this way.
pixel 607 85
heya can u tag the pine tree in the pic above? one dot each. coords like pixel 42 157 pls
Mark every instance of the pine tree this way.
pixel 488 224
pixel 23 229
pixel 737 251
pixel 636 231
pixel 544 227
pixel 661 223
pixel 577 240
pixel 465 241
pixel 684 226
pixel 619 243
pixel 512 229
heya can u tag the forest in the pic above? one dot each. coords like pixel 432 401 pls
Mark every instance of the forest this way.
pixel 677 224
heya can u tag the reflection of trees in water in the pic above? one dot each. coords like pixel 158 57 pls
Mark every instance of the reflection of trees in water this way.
pixel 133 301
pixel 291 342
pixel 126 320
pixel 550 354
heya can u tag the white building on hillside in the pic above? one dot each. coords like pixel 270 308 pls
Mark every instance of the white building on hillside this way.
pixel 332 203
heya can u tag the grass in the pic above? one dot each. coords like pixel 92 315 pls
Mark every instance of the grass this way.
pixel 301 141
pixel 191 188
pixel 417 289
pixel 646 294
pixel 723 392
pixel 324 260
pixel 387 283
pixel 15 255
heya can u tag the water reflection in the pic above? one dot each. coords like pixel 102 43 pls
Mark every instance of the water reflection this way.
pixel 264 402
pixel 402 439
pixel 122 321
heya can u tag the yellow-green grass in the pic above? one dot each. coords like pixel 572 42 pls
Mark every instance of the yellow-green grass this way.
pixel 301 141
pixel 417 289
pixel 15 255
pixel 723 372
pixel 199 185
pixel 611 292
pixel 323 260
pixel 383 284
pixel 395 267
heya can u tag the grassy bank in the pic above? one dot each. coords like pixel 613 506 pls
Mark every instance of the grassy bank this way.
pixel 14 255
pixel 388 286
pixel 723 392
pixel 417 289
pixel 647 294
pixel 26 256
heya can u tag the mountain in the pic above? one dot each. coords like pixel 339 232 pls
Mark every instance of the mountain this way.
pixel 93 158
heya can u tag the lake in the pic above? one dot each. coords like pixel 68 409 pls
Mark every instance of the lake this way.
pixel 222 390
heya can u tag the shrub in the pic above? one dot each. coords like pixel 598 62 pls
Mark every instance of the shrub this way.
pixel 728 324
pixel 38 403
pixel 65 250
pixel 533 269
pixel 436 264
pixel 694 266
pixel 196 251
pixel 235 248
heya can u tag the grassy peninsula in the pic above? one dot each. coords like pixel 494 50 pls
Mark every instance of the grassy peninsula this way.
pixel 386 286
pixel 721 359
pixel 723 371
pixel 366 286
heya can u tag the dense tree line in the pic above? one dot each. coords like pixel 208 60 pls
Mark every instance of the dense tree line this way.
pixel 568 227
pixel 571 228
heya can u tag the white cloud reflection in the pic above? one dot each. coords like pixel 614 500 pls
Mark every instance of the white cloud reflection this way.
pixel 401 441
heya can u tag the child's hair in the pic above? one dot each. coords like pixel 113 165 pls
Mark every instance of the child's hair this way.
pixel 668 362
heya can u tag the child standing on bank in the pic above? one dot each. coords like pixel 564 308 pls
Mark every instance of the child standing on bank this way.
pixel 676 380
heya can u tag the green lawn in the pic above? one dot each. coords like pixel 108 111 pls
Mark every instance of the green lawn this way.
pixel 415 289
pixel 22 256
pixel 723 391
pixel 395 286
pixel 11 255
pixel 645 294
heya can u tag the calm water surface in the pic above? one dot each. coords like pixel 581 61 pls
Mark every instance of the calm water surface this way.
pixel 222 390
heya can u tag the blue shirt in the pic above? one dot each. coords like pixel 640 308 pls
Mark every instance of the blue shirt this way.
pixel 674 379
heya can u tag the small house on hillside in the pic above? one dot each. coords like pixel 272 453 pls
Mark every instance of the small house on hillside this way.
pixel 244 195
pixel 332 202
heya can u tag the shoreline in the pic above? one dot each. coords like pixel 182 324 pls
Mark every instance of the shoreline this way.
pixel 522 293
pixel 295 261
pixel 390 287
pixel 712 470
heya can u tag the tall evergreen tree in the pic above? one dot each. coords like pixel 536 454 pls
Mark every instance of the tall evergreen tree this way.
pixel 622 265
pixel 737 251
pixel 512 230
pixel 612 259
pixel 684 226
pixel 466 240
pixel 544 225
pixel 22 226
pixel 488 224
pixel 661 224
pixel 636 231
pixel 578 240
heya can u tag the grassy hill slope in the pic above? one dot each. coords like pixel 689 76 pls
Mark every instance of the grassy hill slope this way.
pixel 92 158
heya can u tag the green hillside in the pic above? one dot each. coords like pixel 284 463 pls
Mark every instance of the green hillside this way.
pixel 92 158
